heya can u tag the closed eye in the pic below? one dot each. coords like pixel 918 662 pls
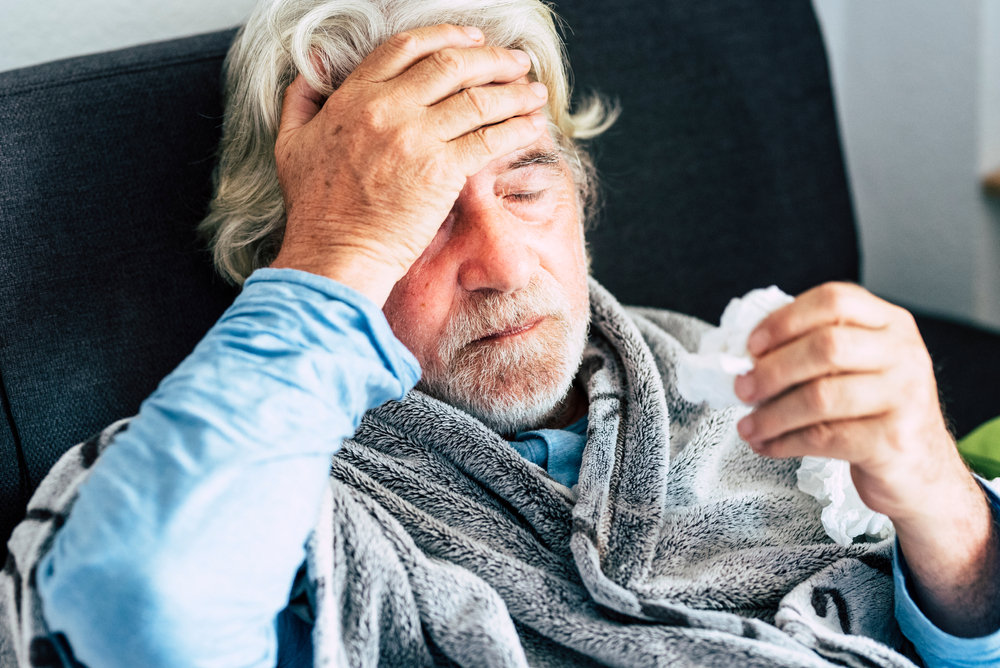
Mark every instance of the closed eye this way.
pixel 526 197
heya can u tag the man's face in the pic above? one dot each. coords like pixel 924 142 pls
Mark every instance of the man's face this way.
pixel 496 309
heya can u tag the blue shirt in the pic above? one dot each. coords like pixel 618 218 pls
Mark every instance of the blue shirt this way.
pixel 221 472
pixel 245 427
pixel 558 451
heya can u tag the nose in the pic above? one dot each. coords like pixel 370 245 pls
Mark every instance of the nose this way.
pixel 494 243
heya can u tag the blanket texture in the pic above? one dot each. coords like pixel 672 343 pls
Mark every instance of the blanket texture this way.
pixel 439 545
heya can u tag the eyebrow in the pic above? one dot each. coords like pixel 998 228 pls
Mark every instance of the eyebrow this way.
pixel 536 156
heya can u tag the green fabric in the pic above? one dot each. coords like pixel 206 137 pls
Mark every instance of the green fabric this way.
pixel 981 449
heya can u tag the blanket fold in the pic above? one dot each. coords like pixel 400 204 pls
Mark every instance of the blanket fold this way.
pixel 438 544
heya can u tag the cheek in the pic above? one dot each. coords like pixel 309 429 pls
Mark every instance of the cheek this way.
pixel 569 263
pixel 579 291
pixel 417 313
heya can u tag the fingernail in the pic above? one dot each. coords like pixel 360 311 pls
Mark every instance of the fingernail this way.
pixel 758 342
pixel 539 120
pixel 473 32
pixel 539 89
pixel 745 428
pixel 521 57
pixel 744 387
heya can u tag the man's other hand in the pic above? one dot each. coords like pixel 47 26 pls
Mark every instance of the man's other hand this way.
pixel 841 373
pixel 369 174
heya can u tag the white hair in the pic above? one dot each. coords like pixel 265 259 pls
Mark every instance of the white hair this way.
pixel 246 218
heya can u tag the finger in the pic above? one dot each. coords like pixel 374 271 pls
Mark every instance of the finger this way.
pixel 850 440
pixel 478 148
pixel 446 72
pixel 485 105
pixel 300 105
pixel 824 351
pixel 401 51
pixel 849 396
pixel 828 304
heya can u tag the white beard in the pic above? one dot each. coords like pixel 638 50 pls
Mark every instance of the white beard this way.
pixel 512 383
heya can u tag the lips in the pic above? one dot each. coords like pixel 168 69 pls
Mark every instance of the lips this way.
pixel 512 330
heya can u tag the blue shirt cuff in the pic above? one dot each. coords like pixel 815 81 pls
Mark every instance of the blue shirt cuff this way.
pixel 394 354
pixel 937 648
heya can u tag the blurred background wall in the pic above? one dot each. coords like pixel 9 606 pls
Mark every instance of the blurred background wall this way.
pixel 917 85
pixel 35 32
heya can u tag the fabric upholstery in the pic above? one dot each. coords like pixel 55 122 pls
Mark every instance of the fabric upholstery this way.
pixel 12 486
pixel 105 166
pixel 724 172
pixel 967 366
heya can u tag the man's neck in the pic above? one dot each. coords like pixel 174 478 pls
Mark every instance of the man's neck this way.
pixel 569 410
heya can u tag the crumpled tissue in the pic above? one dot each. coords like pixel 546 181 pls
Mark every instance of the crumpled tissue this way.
pixel 722 355
pixel 709 376
pixel 844 513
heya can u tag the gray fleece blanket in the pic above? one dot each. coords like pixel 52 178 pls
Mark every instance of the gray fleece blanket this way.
pixel 439 545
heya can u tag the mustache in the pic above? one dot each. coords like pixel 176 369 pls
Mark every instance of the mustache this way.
pixel 489 312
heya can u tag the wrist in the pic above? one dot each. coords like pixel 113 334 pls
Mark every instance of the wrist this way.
pixel 354 268
pixel 952 570
pixel 918 486
pixel 954 507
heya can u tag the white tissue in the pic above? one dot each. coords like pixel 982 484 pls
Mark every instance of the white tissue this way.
pixel 844 513
pixel 709 375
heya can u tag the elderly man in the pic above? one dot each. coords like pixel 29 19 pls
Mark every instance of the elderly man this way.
pixel 545 496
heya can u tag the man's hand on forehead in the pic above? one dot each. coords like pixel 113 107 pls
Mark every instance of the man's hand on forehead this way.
pixel 369 174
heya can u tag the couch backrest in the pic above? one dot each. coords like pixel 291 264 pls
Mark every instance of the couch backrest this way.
pixel 725 171
pixel 723 174
pixel 105 169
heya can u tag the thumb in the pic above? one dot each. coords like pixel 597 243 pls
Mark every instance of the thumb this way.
pixel 300 105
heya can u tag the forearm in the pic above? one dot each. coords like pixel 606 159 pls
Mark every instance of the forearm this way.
pixel 199 511
pixel 953 555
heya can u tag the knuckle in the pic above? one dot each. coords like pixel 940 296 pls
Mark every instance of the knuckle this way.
pixel 406 42
pixel 447 61
pixel 827 346
pixel 400 141
pixel 819 436
pixel 906 319
pixel 480 100
pixel 821 396
pixel 371 119
pixel 489 141
pixel 832 296
pixel 893 430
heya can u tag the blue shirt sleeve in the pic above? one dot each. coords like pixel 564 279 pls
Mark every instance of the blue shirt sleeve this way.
pixel 937 648
pixel 184 541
